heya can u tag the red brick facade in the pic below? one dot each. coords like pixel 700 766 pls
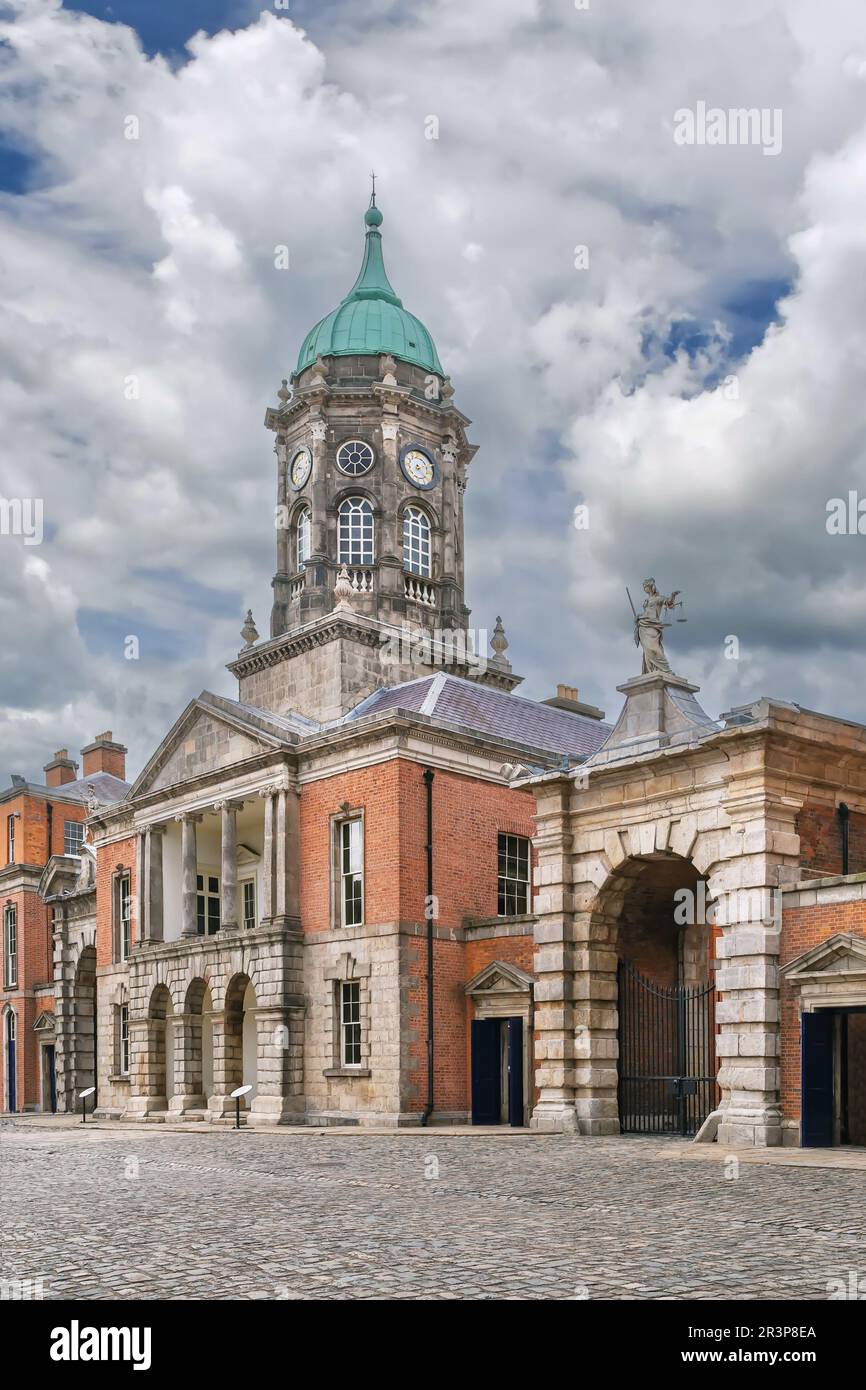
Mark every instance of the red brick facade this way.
pixel 803 928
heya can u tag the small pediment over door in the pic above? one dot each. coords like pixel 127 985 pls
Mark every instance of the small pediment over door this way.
pixel 839 955
pixel 499 977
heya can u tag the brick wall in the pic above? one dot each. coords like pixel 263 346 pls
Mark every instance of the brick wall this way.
pixel 31 827
pixel 820 832
pixel 376 791
pixel 107 859
pixel 468 815
pixel 803 928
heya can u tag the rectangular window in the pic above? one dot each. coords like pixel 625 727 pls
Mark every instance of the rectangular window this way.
pixel 248 889
pixel 513 876
pixel 350 1023
pixel 73 836
pixel 124 903
pixel 10 938
pixel 124 1039
pixel 351 845
pixel 10 839
pixel 207 904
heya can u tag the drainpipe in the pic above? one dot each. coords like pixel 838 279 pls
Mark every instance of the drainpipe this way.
pixel 843 821
pixel 428 782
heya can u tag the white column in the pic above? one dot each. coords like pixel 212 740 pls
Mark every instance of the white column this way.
pixel 229 864
pixel 153 882
pixel 280 907
pixel 189 858
pixel 267 908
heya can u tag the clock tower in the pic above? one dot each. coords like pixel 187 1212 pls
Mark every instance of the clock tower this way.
pixel 372 463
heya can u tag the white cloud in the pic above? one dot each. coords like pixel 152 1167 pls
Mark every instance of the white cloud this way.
pixel 151 262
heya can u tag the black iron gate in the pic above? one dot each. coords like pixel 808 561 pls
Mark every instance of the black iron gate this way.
pixel 667 1055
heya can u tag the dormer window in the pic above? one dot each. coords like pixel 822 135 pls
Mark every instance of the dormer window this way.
pixel 416 542
pixel 355 532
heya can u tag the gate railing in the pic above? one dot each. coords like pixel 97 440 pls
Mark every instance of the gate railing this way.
pixel 667 1055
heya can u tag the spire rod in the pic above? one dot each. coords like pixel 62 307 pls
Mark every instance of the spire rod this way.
pixel 373 195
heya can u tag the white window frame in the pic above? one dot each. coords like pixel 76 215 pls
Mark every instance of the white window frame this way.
pixel 303 537
pixel 10 946
pixel 417 546
pixel 67 837
pixel 351 1036
pixel 124 914
pixel 244 884
pixel 123 1039
pixel 513 881
pixel 10 838
pixel 350 869
pixel 209 895
pixel 356 533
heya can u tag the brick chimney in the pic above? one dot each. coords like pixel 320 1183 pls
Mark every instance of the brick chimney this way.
pixel 61 769
pixel 104 755
pixel 566 697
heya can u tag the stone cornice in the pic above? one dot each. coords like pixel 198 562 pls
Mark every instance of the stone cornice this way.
pixel 316 634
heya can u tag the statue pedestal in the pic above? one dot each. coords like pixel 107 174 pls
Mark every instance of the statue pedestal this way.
pixel 660 711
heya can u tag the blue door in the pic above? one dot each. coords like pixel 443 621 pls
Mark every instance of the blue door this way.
pixel 486 1071
pixel 515 1072
pixel 52 1078
pixel 10 1061
pixel 817 1079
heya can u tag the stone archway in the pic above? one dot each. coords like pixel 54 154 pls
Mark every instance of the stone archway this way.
pixel 648 933
pixel 240 1043
pixel 192 1032
pixel 159 1082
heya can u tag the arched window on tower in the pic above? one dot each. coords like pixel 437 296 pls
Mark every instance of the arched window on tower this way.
pixel 355 532
pixel 416 542
pixel 303 537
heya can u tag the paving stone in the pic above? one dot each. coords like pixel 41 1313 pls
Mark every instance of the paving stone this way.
pixel 553 1217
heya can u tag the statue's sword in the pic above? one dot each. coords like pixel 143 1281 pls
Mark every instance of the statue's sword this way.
pixel 634 611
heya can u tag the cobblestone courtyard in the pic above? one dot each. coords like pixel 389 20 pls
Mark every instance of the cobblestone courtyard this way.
pixel 120 1212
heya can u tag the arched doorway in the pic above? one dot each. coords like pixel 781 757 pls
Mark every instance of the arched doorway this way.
pixel 198 1009
pixel 84 1031
pixel 657 916
pixel 241 1043
pixel 10 1038
pixel 161 1044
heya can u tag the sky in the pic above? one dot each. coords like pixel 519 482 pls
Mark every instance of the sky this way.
pixel 663 331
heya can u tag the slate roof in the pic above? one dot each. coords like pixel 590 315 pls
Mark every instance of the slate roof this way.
pixel 453 700
pixel 107 788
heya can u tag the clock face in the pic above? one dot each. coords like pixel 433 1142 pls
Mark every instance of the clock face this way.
pixel 299 469
pixel 418 466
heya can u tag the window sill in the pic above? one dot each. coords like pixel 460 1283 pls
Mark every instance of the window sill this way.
pixel 120 1078
pixel 511 919
pixel 347 1071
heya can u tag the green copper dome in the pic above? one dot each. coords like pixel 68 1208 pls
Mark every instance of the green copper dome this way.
pixel 371 319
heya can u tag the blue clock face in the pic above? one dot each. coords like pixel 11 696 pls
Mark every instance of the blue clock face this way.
pixel 419 467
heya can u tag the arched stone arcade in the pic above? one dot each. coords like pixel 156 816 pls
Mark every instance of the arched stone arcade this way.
pixel 203 1024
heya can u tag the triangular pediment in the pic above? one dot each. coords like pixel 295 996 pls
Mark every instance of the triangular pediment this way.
pixel 499 977
pixel 210 735
pixel 841 954
pixel 44 1023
